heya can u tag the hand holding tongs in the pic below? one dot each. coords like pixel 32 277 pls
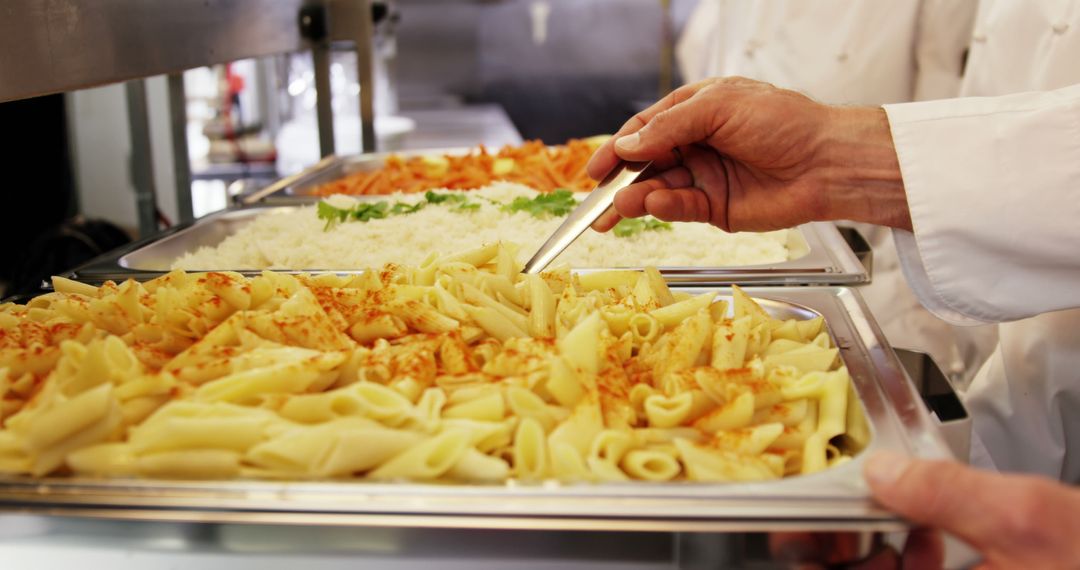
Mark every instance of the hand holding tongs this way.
pixel 599 200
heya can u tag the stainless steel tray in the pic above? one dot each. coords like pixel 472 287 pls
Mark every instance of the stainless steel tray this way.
pixel 835 499
pixel 829 259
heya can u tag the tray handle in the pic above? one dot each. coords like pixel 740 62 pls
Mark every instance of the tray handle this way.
pixel 255 197
pixel 939 396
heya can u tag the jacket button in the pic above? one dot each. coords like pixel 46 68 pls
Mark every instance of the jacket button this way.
pixel 842 57
pixel 1060 28
pixel 752 46
pixel 978 37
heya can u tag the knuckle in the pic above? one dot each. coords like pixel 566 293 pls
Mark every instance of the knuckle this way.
pixel 660 121
pixel 687 91
pixel 715 92
pixel 659 129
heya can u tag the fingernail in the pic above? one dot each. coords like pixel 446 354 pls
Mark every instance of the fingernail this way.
pixel 883 468
pixel 628 142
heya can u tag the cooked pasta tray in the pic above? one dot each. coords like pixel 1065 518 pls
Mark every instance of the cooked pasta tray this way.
pixel 456 392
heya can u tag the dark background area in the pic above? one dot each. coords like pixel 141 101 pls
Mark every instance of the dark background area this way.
pixel 39 189
pixel 41 234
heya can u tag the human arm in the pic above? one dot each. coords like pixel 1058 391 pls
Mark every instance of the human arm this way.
pixel 752 157
pixel 990 186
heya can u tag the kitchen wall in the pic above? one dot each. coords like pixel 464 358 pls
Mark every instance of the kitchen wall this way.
pixel 101 147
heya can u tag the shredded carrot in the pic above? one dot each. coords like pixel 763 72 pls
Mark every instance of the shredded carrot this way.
pixel 534 164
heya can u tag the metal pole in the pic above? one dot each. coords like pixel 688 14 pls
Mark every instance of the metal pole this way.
pixel 324 111
pixel 181 159
pixel 266 77
pixel 142 167
pixel 365 48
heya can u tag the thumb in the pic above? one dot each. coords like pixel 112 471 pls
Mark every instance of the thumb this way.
pixel 683 124
pixel 945 495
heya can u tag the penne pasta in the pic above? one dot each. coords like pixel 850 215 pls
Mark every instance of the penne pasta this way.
pixel 530 450
pixel 650 465
pixel 542 311
pixel 676 313
pixel 459 370
pixel 427 460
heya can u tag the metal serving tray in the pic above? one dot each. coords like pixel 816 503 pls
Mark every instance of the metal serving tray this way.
pixel 827 258
pixel 835 499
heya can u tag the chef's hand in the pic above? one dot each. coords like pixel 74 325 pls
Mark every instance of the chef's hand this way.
pixel 744 155
pixel 1014 521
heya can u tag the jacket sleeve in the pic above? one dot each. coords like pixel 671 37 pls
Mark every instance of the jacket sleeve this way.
pixel 941 41
pixel 993 185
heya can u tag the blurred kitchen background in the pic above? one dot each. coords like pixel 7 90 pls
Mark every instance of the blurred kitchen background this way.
pixel 447 74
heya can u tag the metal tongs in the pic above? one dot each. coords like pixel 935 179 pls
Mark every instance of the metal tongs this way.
pixel 599 200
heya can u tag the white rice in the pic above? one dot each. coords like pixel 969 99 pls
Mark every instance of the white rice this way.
pixel 296 239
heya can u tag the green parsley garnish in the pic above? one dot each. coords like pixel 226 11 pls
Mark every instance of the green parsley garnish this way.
pixel 434 198
pixel 557 203
pixel 364 212
pixel 460 202
pixel 632 226
pixel 466 207
pixel 367 211
pixel 401 208
pixel 332 215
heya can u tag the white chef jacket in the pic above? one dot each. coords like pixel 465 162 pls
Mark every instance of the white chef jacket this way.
pixel 861 52
pixel 838 51
pixel 994 190
pixel 992 183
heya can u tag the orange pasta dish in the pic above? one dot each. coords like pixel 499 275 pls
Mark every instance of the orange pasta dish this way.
pixel 544 168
